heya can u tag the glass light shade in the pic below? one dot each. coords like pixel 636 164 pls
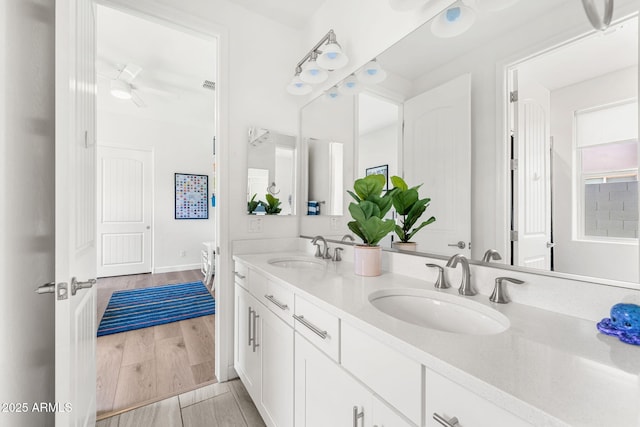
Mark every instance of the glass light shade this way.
pixel 312 73
pixel 332 94
pixel 371 73
pixel 404 5
pixel 350 86
pixel 454 21
pixel 120 89
pixel 298 87
pixel 332 57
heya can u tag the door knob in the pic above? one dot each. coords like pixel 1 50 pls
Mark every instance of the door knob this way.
pixel 75 285
pixel 550 245
pixel 460 244
pixel 47 288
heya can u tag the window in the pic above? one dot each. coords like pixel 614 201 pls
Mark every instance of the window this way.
pixel 607 158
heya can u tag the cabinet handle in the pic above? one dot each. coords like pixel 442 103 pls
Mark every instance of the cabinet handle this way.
pixel 356 416
pixel 322 334
pixel 452 422
pixel 255 330
pixel 249 326
pixel 239 276
pixel 280 305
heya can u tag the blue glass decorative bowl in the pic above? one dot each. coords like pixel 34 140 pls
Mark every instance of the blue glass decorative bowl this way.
pixel 624 323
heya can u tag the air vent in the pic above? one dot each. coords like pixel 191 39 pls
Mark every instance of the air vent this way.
pixel 208 84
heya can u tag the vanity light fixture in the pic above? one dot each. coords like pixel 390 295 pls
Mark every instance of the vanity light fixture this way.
pixel 371 73
pixel 454 20
pixel 297 86
pixel 314 67
pixel 350 85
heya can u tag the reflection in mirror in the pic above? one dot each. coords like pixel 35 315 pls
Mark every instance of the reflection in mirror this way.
pixel 325 177
pixel 542 196
pixel 270 171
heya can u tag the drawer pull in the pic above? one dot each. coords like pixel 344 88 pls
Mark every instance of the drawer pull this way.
pixel 239 276
pixel 280 305
pixel 322 334
pixel 255 330
pixel 356 416
pixel 250 326
pixel 443 421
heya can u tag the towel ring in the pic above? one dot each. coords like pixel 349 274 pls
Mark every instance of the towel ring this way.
pixel 599 22
pixel 272 189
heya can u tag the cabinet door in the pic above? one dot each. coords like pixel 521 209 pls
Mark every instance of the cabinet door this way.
pixel 446 399
pixel 325 395
pixel 247 344
pixel 276 343
pixel 383 416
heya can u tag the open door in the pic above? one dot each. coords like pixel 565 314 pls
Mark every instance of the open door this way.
pixel 75 232
pixel 531 169
pixel 437 153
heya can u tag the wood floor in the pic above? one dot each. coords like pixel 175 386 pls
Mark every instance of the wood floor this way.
pixel 216 405
pixel 150 364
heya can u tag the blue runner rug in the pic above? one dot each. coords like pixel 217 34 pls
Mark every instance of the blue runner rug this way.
pixel 141 308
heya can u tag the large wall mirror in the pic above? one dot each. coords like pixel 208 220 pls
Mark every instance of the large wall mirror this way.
pixel 523 131
pixel 271 166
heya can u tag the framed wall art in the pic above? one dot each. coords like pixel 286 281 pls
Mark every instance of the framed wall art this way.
pixel 380 170
pixel 192 196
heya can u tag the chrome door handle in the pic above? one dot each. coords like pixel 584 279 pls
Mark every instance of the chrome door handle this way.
pixel 322 334
pixel 550 245
pixel 75 285
pixel 239 276
pixel 452 422
pixel 460 244
pixel 47 288
pixel 250 327
pixel 255 331
pixel 280 305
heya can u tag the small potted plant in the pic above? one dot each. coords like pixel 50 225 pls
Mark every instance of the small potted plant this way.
pixel 272 207
pixel 252 205
pixel 368 211
pixel 409 207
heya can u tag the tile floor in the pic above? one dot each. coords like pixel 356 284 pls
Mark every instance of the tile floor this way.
pixel 216 405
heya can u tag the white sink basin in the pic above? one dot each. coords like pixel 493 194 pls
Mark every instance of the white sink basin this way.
pixel 298 262
pixel 436 310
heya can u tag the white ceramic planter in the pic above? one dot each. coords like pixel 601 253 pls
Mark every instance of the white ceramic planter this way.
pixel 367 260
pixel 405 246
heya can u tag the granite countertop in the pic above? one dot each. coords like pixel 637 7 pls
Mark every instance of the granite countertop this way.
pixel 548 368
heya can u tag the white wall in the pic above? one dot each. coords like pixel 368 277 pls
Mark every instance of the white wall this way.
pixel 618 261
pixel 379 147
pixel 177 148
pixel 26 207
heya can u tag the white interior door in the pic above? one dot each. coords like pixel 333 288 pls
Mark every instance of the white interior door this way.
pixel 437 154
pixel 75 231
pixel 124 211
pixel 532 175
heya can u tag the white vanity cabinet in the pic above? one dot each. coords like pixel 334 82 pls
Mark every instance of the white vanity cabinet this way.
pixel 446 400
pixel 263 350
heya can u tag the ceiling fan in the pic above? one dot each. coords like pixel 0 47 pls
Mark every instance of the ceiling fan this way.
pixel 123 87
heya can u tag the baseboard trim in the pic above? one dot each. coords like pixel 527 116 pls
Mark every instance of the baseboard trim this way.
pixel 176 268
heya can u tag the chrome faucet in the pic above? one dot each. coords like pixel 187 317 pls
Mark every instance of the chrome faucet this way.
pixel 466 288
pixel 347 236
pixel 325 252
pixel 499 294
pixel 491 254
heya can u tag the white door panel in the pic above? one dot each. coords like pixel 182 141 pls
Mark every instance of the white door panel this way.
pixel 532 197
pixel 437 153
pixel 75 233
pixel 124 211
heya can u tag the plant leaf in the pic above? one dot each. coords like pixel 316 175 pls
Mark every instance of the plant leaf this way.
pixel 399 183
pixel 424 224
pixel 372 184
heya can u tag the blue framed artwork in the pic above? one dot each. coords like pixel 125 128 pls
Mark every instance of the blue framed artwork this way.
pixel 192 196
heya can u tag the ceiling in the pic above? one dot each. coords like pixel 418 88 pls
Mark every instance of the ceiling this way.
pixel 170 83
pixel 293 13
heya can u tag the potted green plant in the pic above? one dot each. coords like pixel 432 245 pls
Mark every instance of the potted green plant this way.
pixel 253 204
pixel 272 207
pixel 368 211
pixel 409 207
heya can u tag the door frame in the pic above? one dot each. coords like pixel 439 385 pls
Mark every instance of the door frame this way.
pixel 219 34
pixel 146 149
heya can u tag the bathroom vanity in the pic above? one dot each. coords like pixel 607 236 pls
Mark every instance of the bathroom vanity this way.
pixel 313 349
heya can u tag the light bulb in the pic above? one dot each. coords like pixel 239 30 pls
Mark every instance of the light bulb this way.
pixel 371 73
pixel 454 21
pixel 350 85
pixel 312 73
pixel 332 94
pixel 298 87
pixel 332 57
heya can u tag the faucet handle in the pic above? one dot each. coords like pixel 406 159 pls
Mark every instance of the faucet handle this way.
pixel 499 294
pixel 441 282
pixel 337 255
